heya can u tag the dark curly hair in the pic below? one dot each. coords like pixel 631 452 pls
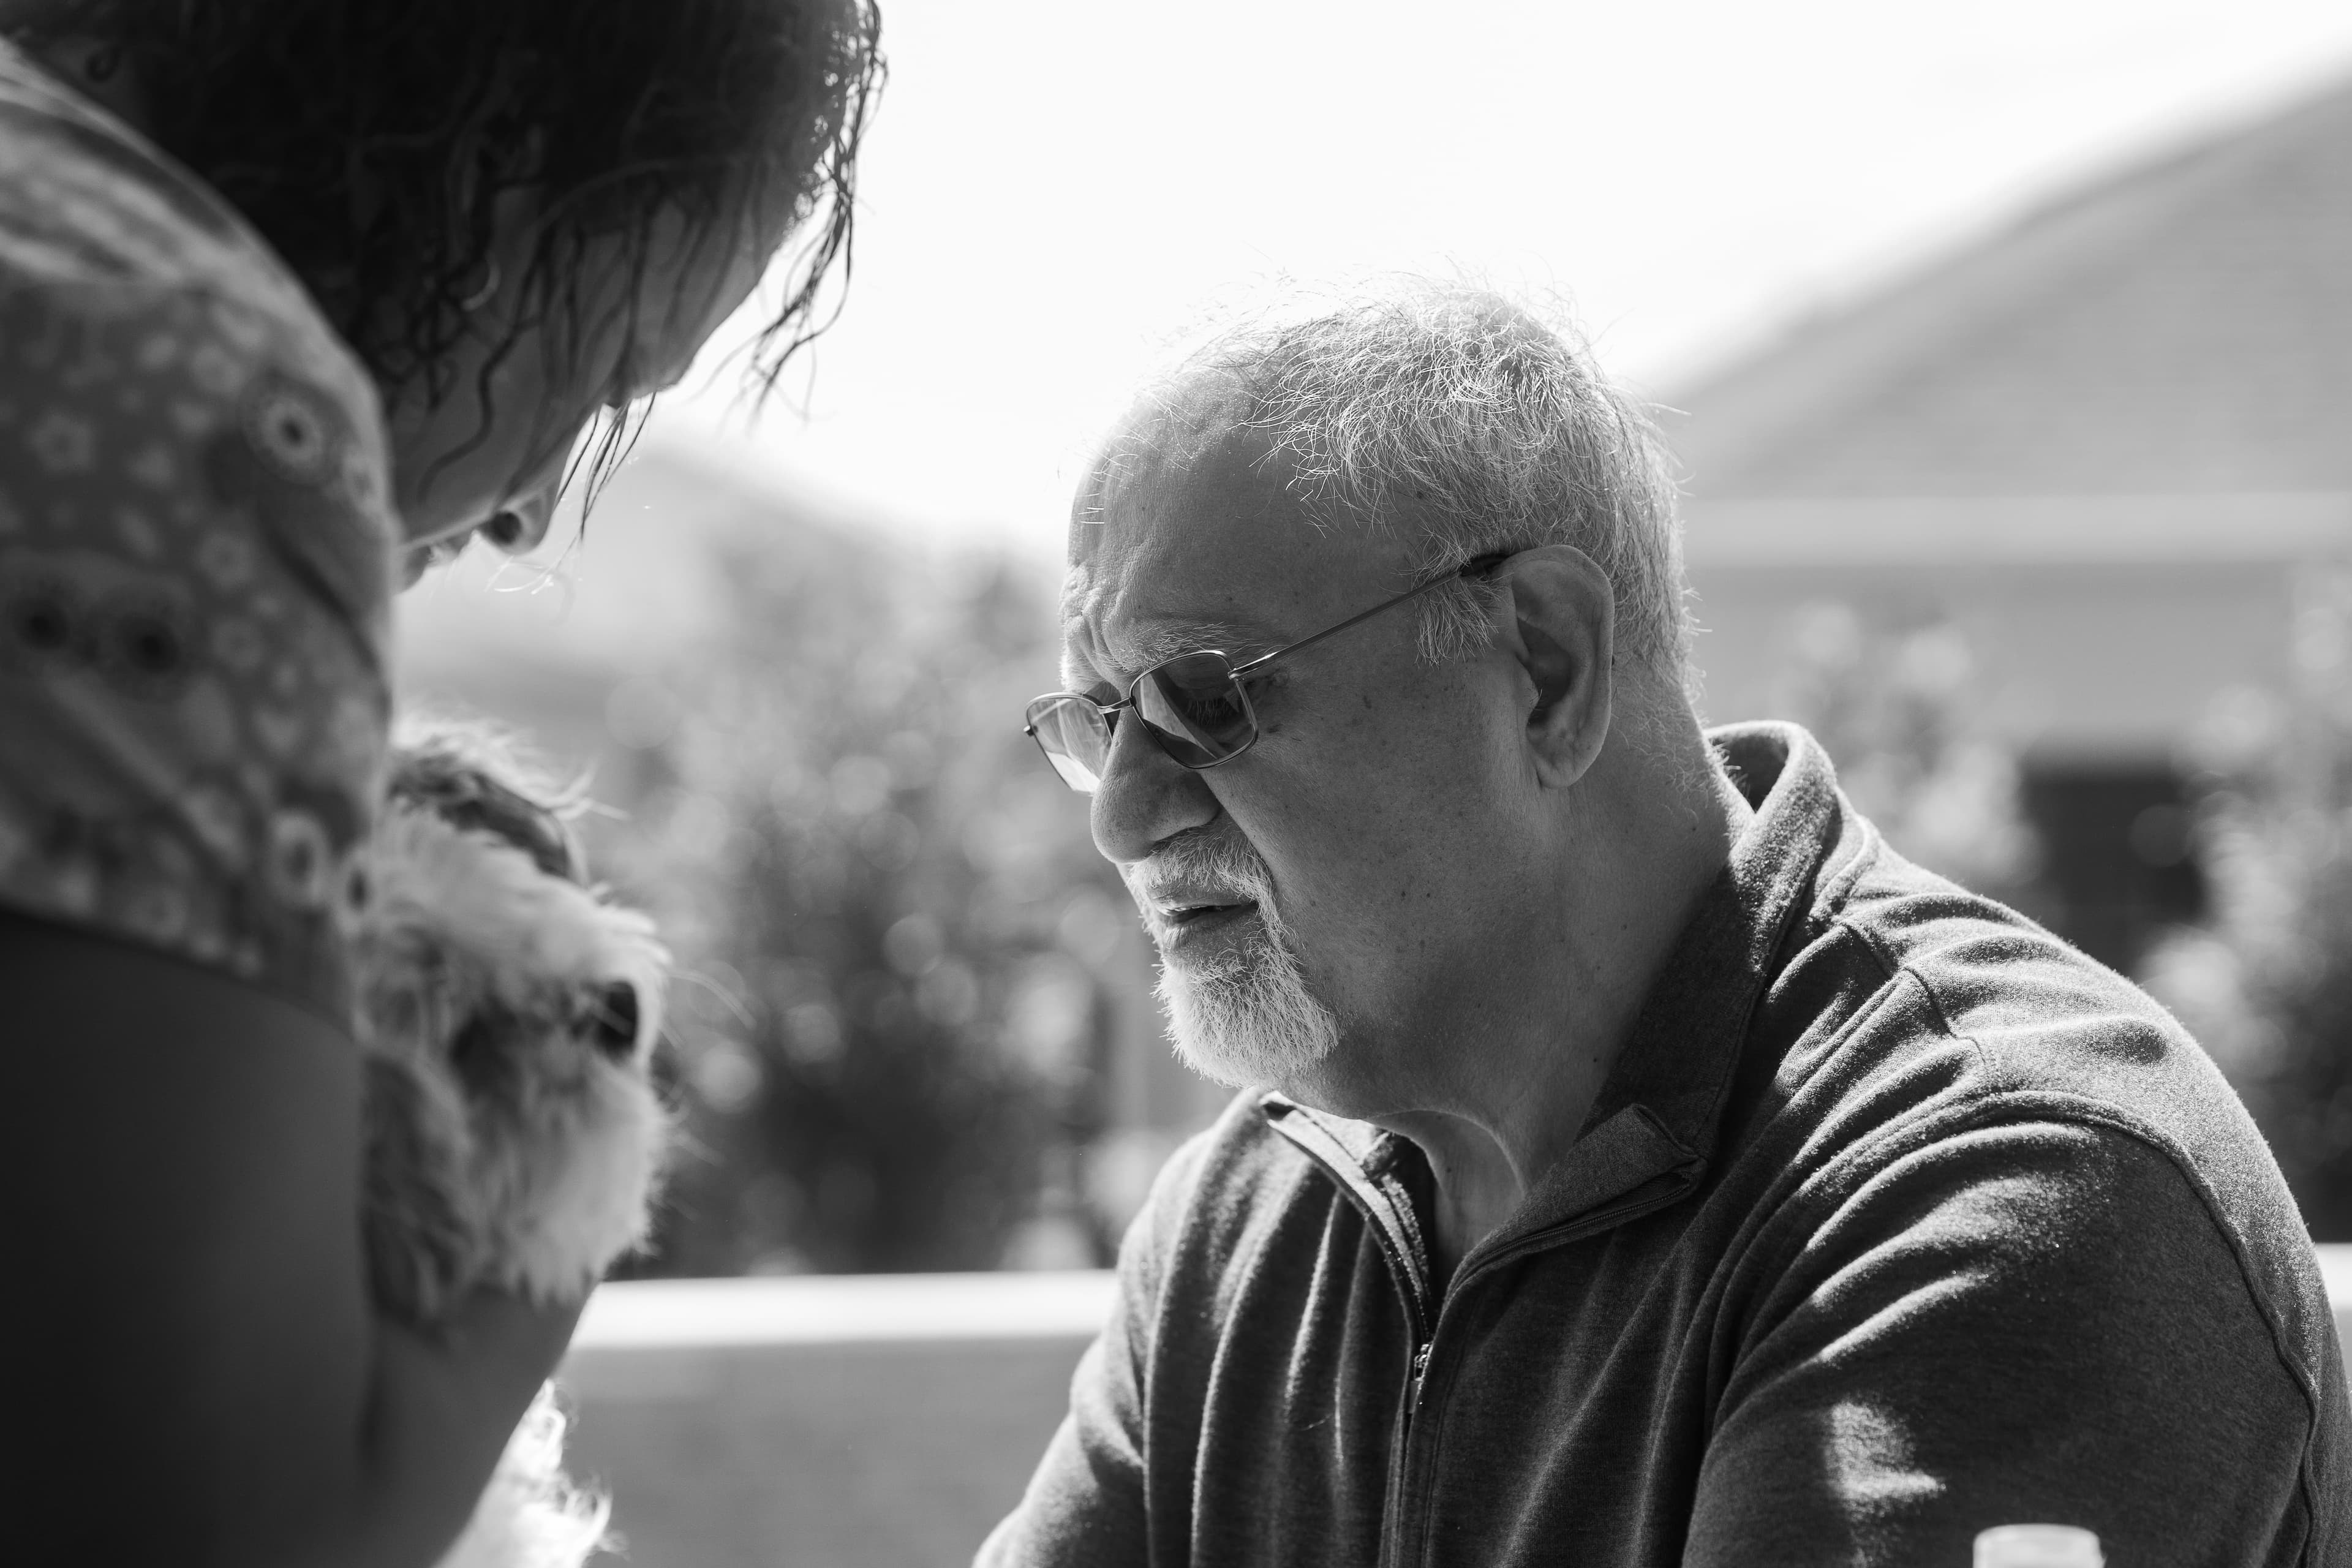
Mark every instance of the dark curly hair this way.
pixel 368 140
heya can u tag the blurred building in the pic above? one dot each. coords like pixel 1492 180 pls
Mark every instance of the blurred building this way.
pixel 2102 445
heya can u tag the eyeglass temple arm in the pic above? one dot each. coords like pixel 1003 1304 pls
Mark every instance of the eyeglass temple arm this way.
pixel 1476 565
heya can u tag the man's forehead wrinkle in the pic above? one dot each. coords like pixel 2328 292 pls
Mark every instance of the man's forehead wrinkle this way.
pixel 1111 631
pixel 1195 499
pixel 1081 639
pixel 1076 582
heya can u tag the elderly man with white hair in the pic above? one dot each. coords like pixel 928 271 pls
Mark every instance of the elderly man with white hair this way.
pixel 1639 1162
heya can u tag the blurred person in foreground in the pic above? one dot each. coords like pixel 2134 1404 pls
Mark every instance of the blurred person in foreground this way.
pixel 290 290
pixel 1639 1163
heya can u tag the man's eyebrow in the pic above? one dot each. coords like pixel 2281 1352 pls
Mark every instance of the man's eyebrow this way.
pixel 1160 640
pixel 1168 639
pixel 1156 641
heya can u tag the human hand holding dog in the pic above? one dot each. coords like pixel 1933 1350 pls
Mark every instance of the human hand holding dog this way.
pixel 448 1398
pixel 353 1438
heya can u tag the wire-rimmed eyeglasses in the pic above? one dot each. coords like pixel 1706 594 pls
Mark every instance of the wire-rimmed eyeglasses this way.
pixel 1194 707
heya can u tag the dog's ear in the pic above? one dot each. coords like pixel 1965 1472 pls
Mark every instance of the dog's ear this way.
pixel 471 779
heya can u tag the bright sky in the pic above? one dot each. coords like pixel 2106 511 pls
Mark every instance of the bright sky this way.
pixel 1053 185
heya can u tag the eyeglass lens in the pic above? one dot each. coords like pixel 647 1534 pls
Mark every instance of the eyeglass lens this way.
pixel 1075 737
pixel 1193 707
pixel 1196 708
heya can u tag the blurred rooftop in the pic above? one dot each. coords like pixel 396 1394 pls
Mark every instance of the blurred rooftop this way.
pixel 2183 326
pixel 2095 457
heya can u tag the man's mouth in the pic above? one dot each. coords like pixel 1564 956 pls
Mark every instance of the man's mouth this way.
pixel 1190 914
pixel 1201 897
pixel 1181 924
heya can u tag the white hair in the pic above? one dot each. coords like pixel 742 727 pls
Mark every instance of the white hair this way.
pixel 1451 413
pixel 1244 1017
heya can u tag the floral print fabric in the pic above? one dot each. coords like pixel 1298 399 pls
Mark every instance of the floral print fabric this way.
pixel 195 566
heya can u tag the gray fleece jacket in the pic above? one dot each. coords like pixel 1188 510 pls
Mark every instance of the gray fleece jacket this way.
pixel 1897 1218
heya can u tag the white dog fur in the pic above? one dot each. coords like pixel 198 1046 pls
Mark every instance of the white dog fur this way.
pixel 509 1013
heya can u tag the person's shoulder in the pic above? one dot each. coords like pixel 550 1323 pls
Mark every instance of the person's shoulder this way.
pixel 1937 1030
pixel 2033 1013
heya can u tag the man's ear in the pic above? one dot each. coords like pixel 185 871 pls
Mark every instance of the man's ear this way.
pixel 1561 626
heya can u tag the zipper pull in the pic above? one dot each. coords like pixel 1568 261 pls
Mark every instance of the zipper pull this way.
pixel 1420 1374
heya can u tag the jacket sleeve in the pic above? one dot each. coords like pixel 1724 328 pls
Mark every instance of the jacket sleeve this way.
pixel 1085 1503
pixel 2031 1322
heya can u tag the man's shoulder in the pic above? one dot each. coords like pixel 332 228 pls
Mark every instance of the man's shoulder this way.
pixel 1903 992
pixel 1914 1016
pixel 1904 963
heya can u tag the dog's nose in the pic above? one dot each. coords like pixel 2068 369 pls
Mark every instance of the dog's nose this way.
pixel 613 1020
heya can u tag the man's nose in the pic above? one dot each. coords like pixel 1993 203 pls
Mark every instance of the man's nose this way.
pixel 1144 797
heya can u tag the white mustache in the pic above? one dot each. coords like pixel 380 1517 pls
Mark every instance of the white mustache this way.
pixel 1191 868
pixel 1238 1015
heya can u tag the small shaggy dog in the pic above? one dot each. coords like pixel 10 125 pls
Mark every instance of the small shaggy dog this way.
pixel 509 1012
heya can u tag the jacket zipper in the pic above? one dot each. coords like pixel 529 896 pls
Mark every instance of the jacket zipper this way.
pixel 1425 1320
pixel 1392 1493
pixel 1412 1278
pixel 1393 1523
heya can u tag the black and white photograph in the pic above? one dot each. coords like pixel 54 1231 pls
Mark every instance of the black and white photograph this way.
pixel 1280 783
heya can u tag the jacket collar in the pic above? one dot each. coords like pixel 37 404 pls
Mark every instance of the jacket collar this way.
pixel 1660 1111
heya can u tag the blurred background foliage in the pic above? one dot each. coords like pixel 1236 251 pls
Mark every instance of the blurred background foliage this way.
pixel 2265 981
pixel 1891 704
pixel 888 909
pixel 903 971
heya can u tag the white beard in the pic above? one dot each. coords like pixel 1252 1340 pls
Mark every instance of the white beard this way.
pixel 1245 1017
